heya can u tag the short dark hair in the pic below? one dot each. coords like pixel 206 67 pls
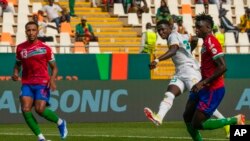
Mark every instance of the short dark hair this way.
pixel 167 22
pixel 30 23
pixel 205 17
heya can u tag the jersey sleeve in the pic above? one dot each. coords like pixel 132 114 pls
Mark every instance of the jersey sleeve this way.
pixel 173 40
pixel 214 48
pixel 50 54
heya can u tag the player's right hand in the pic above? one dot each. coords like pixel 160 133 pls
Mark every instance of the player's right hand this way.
pixel 14 77
pixel 152 65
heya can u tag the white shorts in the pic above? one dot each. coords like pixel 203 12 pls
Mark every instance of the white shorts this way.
pixel 186 78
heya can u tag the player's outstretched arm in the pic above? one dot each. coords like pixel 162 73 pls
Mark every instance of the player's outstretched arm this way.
pixel 171 52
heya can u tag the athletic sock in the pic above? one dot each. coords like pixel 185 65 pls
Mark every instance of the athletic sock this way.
pixel 218 123
pixel 217 114
pixel 60 121
pixel 166 104
pixel 195 134
pixel 32 123
pixel 40 136
pixel 50 115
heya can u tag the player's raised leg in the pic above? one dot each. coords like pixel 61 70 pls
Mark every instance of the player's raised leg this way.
pixel 218 115
pixel 152 116
pixel 175 88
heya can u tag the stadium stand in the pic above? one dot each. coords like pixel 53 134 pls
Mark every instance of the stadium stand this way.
pixel 8 17
pixel 230 43
pixel 5 47
pixel 53 46
pixel 20 37
pixel 14 2
pixel 243 43
pixel 146 18
pixel 133 19
pixel 8 28
pixel 65 43
pixel 213 9
pixel 118 9
pixel 94 47
pixel 199 8
pixel 186 9
pixel 36 6
pixel 186 2
pixel 79 48
pixel 173 9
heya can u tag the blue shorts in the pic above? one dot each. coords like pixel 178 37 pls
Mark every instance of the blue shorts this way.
pixel 37 92
pixel 208 100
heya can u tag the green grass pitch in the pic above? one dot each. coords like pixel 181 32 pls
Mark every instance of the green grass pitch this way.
pixel 122 131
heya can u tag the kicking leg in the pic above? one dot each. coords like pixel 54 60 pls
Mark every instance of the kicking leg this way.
pixel 166 103
pixel 217 114
pixel 175 88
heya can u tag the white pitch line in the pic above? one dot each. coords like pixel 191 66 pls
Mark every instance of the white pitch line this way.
pixel 114 136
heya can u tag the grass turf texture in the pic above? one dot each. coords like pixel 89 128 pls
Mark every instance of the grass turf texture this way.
pixel 125 131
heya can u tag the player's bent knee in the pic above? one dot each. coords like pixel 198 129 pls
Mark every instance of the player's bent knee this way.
pixel 39 110
pixel 26 109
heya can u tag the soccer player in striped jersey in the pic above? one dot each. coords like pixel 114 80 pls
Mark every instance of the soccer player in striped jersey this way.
pixel 33 56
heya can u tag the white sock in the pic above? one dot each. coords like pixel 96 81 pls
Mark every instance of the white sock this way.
pixel 217 114
pixel 59 122
pixel 166 104
pixel 40 136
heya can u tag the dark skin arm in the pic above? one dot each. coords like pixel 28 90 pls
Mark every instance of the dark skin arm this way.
pixel 171 52
pixel 54 72
pixel 16 70
pixel 220 70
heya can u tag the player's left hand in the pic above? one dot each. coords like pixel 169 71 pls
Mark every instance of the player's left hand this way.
pixel 152 65
pixel 52 85
pixel 197 87
pixel 14 77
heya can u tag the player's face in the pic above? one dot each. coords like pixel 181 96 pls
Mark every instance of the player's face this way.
pixel 164 30
pixel 31 32
pixel 51 2
pixel 201 28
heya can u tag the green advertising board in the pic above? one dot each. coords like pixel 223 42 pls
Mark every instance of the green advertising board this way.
pixel 117 101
